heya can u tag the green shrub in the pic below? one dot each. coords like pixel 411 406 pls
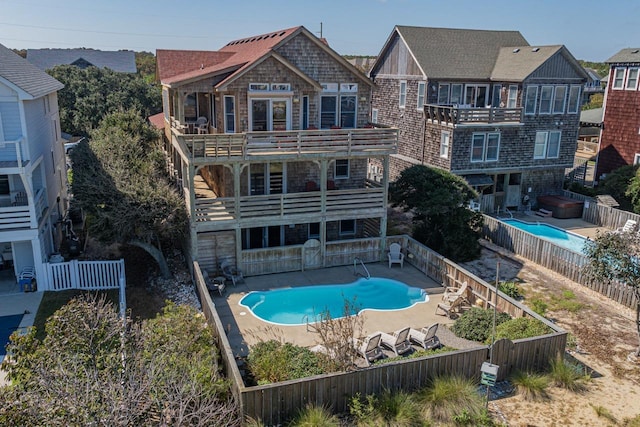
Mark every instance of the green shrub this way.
pixel 576 187
pixel 510 289
pixel 532 386
pixel 539 306
pixel 476 324
pixel 272 361
pixel 449 397
pixel 314 416
pixel 568 375
pixel 522 327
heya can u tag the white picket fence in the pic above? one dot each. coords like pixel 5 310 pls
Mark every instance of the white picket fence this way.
pixel 88 275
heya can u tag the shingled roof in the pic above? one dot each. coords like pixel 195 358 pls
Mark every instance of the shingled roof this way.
pixel 25 76
pixel 447 53
pixel 122 61
pixel 628 55
pixel 518 62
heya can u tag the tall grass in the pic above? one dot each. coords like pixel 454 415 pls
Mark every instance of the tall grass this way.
pixel 314 416
pixel 389 409
pixel 531 386
pixel 568 375
pixel 448 397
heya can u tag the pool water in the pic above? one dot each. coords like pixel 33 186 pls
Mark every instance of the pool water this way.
pixel 555 235
pixel 297 306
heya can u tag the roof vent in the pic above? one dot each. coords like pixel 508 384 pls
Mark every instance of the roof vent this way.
pixel 635 51
pixel 516 50
pixel 535 49
pixel 202 66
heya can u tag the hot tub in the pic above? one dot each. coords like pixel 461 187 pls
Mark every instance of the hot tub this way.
pixel 562 207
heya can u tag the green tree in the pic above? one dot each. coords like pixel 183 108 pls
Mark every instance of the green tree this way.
pixel 90 94
pixel 595 101
pixel 633 191
pixel 438 199
pixel 614 257
pixel 94 368
pixel 119 181
pixel 146 65
pixel 617 183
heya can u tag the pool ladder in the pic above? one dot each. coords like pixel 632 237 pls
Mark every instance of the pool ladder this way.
pixel 357 260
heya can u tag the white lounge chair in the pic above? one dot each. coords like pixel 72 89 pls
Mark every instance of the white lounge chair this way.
pixel 628 226
pixel 398 342
pixel 369 348
pixel 452 292
pixel 425 337
pixel 395 255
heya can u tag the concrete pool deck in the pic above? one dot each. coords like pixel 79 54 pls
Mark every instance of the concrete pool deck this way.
pixel 244 329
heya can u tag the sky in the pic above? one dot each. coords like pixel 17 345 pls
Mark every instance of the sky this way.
pixel 591 30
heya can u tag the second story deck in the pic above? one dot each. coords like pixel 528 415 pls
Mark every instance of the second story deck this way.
pixel 283 145
pixel 458 115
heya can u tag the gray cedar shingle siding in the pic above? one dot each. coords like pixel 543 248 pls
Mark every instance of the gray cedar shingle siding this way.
pixel 123 61
pixel 25 75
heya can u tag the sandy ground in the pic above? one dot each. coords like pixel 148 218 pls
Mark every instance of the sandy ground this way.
pixel 605 334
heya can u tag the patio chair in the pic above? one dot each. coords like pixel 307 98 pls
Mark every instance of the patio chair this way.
pixel 452 292
pixel 425 337
pixel 215 285
pixel 231 272
pixel 628 227
pixel 398 342
pixel 369 348
pixel 395 255
pixel 202 125
pixel 451 307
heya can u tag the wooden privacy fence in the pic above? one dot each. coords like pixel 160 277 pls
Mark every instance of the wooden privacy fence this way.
pixel 88 275
pixel 275 403
pixel 568 263
pixel 602 215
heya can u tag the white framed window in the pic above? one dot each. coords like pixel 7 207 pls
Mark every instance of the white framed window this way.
pixel 329 87
pixel 421 88
pixel 546 94
pixel 349 87
pixel 530 100
pixel 314 230
pixel 341 169
pixel 456 94
pixel 229 114
pixel 632 79
pixel 573 104
pixel 47 105
pixel 347 227
pixel 304 118
pixel 513 96
pixel 374 115
pixel 402 101
pixel 280 87
pixel 485 147
pixel 445 137
pixel 547 144
pixel 443 93
pixel 559 96
pixel 328 111
pixel 618 77
pixel 258 86
pixel 348 105
pixel 636 159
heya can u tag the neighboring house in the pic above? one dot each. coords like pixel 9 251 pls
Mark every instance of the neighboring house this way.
pixel 592 86
pixel 33 180
pixel 620 137
pixel 482 104
pixel 269 141
pixel 122 61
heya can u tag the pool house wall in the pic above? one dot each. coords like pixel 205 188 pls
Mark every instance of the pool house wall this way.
pixel 275 403
pixel 563 261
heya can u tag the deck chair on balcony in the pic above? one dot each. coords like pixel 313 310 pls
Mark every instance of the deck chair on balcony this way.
pixel 231 272
pixel 395 255
pixel 425 337
pixel 20 199
pixel 398 342
pixel 369 348
pixel 202 125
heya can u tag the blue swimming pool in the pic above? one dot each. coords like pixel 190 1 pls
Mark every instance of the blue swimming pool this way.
pixel 297 306
pixel 554 234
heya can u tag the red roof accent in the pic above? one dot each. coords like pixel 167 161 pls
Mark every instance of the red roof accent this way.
pixel 157 120
pixel 176 66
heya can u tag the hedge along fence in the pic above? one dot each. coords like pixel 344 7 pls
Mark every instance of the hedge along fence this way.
pixel 568 263
pixel 275 403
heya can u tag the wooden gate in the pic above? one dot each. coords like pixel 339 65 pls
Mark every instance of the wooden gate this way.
pixel 311 254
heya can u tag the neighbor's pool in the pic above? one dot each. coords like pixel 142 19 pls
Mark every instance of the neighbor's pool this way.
pixel 297 306
pixel 554 234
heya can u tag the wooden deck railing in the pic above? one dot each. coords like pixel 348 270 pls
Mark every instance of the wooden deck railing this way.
pixel 357 201
pixel 290 144
pixel 458 115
